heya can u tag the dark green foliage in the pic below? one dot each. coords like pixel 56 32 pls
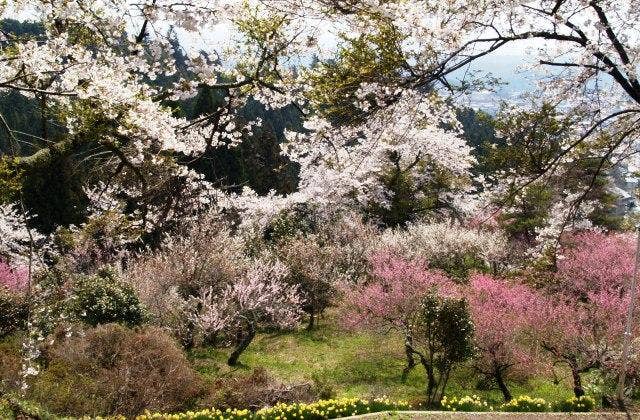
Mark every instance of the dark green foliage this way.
pixel 528 211
pixel 403 206
pixel 299 219
pixel 459 266
pixel 54 193
pixel 13 311
pixel 442 337
pixel 257 161
pixel 103 298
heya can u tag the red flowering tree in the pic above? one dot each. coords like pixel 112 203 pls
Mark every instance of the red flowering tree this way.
pixel 503 313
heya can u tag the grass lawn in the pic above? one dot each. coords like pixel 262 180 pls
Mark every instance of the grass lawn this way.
pixel 355 365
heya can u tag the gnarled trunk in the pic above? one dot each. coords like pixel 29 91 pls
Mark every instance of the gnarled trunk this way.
pixel 242 345
pixel 506 394
pixel 578 390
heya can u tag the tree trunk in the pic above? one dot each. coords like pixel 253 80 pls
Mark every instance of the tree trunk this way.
pixel 312 321
pixel 506 394
pixel 411 362
pixel 577 381
pixel 243 343
pixel 431 383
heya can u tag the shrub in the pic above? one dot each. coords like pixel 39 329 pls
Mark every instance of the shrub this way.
pixel 104 239
pixel 311 271
pixel 15 408
pixel 257 390
pixel 468 403
pixel 13 311
pixel 208 257
pixel 103 298
pixel 111 369
pixel 10 363
pixel 580 404
pixel 324 409
pixel 526 404
pixel 454 249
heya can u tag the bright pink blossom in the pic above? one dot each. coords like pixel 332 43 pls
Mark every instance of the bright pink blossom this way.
pixel 593 261
pixel 394 292
pixel 14 279
pixel 503 313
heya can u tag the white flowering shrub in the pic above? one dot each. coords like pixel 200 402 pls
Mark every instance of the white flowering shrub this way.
pixel 450 247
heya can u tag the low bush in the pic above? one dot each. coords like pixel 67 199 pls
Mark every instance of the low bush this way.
pixel 111 370
pixel 15 408
pixel 13 311
pixel 257 390
pixel 103 298
pixel 526 404
pixel 10 363
pixel 471 403
pixel 324 409
pixel 575 404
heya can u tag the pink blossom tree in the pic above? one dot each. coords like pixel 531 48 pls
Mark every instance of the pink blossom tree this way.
pixel 585 322
pixel 502 313
pixel 582 335
pixel 260 298
pixel 592 261
pixel 393 296
pixel 14 279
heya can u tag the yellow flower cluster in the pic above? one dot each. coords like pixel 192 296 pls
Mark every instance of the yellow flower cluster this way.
pixel 324 409
pixel 579 404
pixel 525 403
pixel 467 403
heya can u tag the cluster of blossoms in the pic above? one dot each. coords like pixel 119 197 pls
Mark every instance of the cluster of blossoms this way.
pixel 346 164
pixel 434 241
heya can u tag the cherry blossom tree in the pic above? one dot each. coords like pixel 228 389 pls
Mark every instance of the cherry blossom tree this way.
pixel 585 50
pixel 107 74
pixel 260 298
pixel 503 313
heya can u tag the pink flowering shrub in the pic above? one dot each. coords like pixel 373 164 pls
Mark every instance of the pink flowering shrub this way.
pixel 502 313
pixel 593 261
pixel 13 279
pixel 394 292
